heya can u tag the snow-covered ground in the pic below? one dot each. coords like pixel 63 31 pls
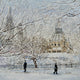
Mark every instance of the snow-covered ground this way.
pixel 43 72
pixel 59 58
pixel 42 59
pixel 40 74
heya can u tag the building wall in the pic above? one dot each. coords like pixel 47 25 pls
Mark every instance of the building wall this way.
pixel 58 46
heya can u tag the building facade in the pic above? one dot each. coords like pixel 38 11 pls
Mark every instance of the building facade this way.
pixel 59 43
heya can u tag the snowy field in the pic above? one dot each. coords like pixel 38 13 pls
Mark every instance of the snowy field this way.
pixel 43 72
pixel 40 74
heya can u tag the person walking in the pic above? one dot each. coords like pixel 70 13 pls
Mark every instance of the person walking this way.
pixel 55 69
pixel 25 66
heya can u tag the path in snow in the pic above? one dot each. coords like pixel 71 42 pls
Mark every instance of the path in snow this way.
pixel 19 75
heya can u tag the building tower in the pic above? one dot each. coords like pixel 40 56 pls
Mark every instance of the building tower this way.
pixel 9 27
pixel 59 43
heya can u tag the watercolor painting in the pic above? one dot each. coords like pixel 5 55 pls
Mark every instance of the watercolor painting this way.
pixel 39 39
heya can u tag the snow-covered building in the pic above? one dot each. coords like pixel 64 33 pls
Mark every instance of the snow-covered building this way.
pixel 14 34
pixel 59 43
pixel 9 28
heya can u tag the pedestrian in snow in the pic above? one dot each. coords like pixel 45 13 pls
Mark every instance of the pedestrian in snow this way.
pixel 25 66
pixel 55 68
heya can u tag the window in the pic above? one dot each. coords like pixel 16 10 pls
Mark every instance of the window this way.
pixel 49 51
pixel 58 44
pixel 54 51
pixel 58 51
